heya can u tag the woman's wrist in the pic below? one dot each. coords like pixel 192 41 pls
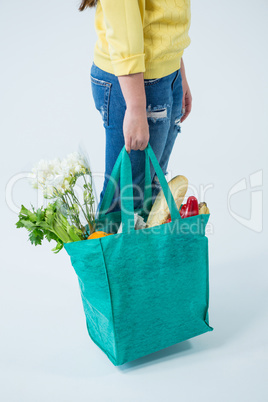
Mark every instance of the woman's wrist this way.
pixel 133 90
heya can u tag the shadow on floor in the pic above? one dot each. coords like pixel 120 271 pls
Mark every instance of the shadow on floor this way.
pixel 171 352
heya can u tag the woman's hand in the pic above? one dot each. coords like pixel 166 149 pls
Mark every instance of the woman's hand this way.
pixel 136 128
pixel 135 124
pixel 187 96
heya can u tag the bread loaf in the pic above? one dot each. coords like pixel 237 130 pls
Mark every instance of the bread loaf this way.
pixel 160 212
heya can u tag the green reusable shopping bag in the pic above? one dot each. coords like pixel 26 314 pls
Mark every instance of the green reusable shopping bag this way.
pixel 142 290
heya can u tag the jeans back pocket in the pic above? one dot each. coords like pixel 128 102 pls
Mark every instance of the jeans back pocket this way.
pixel 101 94
pixel 151 81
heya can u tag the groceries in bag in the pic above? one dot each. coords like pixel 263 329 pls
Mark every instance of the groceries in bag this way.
pixel 66 218
pixel 192 208
pixel 160 213
pixel 61 220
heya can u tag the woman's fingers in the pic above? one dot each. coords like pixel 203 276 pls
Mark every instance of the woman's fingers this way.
pixel 135 144
pixel 186 113
pixel 128 143
pixel 187 105
pixel 143 145
pixel 138 145
pixel 183 102
pixel 132 144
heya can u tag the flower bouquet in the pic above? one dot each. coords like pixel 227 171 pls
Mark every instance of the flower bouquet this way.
pixel 61 220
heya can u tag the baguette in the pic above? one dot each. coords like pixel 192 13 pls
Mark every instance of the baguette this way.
pixel 159 211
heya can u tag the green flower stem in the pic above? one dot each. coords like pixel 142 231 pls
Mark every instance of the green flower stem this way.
pixel 76 218
pixel 77 201
pixel 89 212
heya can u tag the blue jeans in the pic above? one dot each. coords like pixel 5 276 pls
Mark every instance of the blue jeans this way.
pixel 164 111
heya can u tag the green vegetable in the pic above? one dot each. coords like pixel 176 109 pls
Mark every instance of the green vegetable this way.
pixel 48 223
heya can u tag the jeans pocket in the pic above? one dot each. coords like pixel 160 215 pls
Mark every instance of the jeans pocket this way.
pixel 101 90
pixel 149 81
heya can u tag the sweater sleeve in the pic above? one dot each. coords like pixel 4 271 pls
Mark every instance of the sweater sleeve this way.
pixel 124 33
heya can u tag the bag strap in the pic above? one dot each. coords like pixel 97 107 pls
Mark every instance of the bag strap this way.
pixel 147 200
pixel 122 168
pixel 111 186
pixel 127 214
pixel 114 179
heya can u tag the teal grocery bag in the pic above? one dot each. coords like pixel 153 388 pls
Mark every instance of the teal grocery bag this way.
pixel 142 290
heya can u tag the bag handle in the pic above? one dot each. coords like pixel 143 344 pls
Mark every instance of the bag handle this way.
pixel 111 186
pixel 123 169
pixel 114 179
pixel 147 199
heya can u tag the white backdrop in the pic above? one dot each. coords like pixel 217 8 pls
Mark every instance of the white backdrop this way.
pixel 47 110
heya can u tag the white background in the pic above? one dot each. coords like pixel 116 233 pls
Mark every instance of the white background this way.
pixel 47 110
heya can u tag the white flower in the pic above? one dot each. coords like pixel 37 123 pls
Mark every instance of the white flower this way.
pixel 66 185
pixel 76 163
pixel 57 173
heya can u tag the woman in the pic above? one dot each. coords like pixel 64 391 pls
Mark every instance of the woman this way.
pixel 138 82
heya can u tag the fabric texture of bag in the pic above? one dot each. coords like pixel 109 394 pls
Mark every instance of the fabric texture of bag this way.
pixel 142 290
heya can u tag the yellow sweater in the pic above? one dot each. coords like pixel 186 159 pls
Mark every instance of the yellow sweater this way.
pixel 146 36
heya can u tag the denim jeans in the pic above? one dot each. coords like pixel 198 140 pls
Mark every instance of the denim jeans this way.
pixel 164 111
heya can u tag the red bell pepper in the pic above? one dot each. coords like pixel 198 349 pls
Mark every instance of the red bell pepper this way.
pixel 183 210
pixel 191 207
